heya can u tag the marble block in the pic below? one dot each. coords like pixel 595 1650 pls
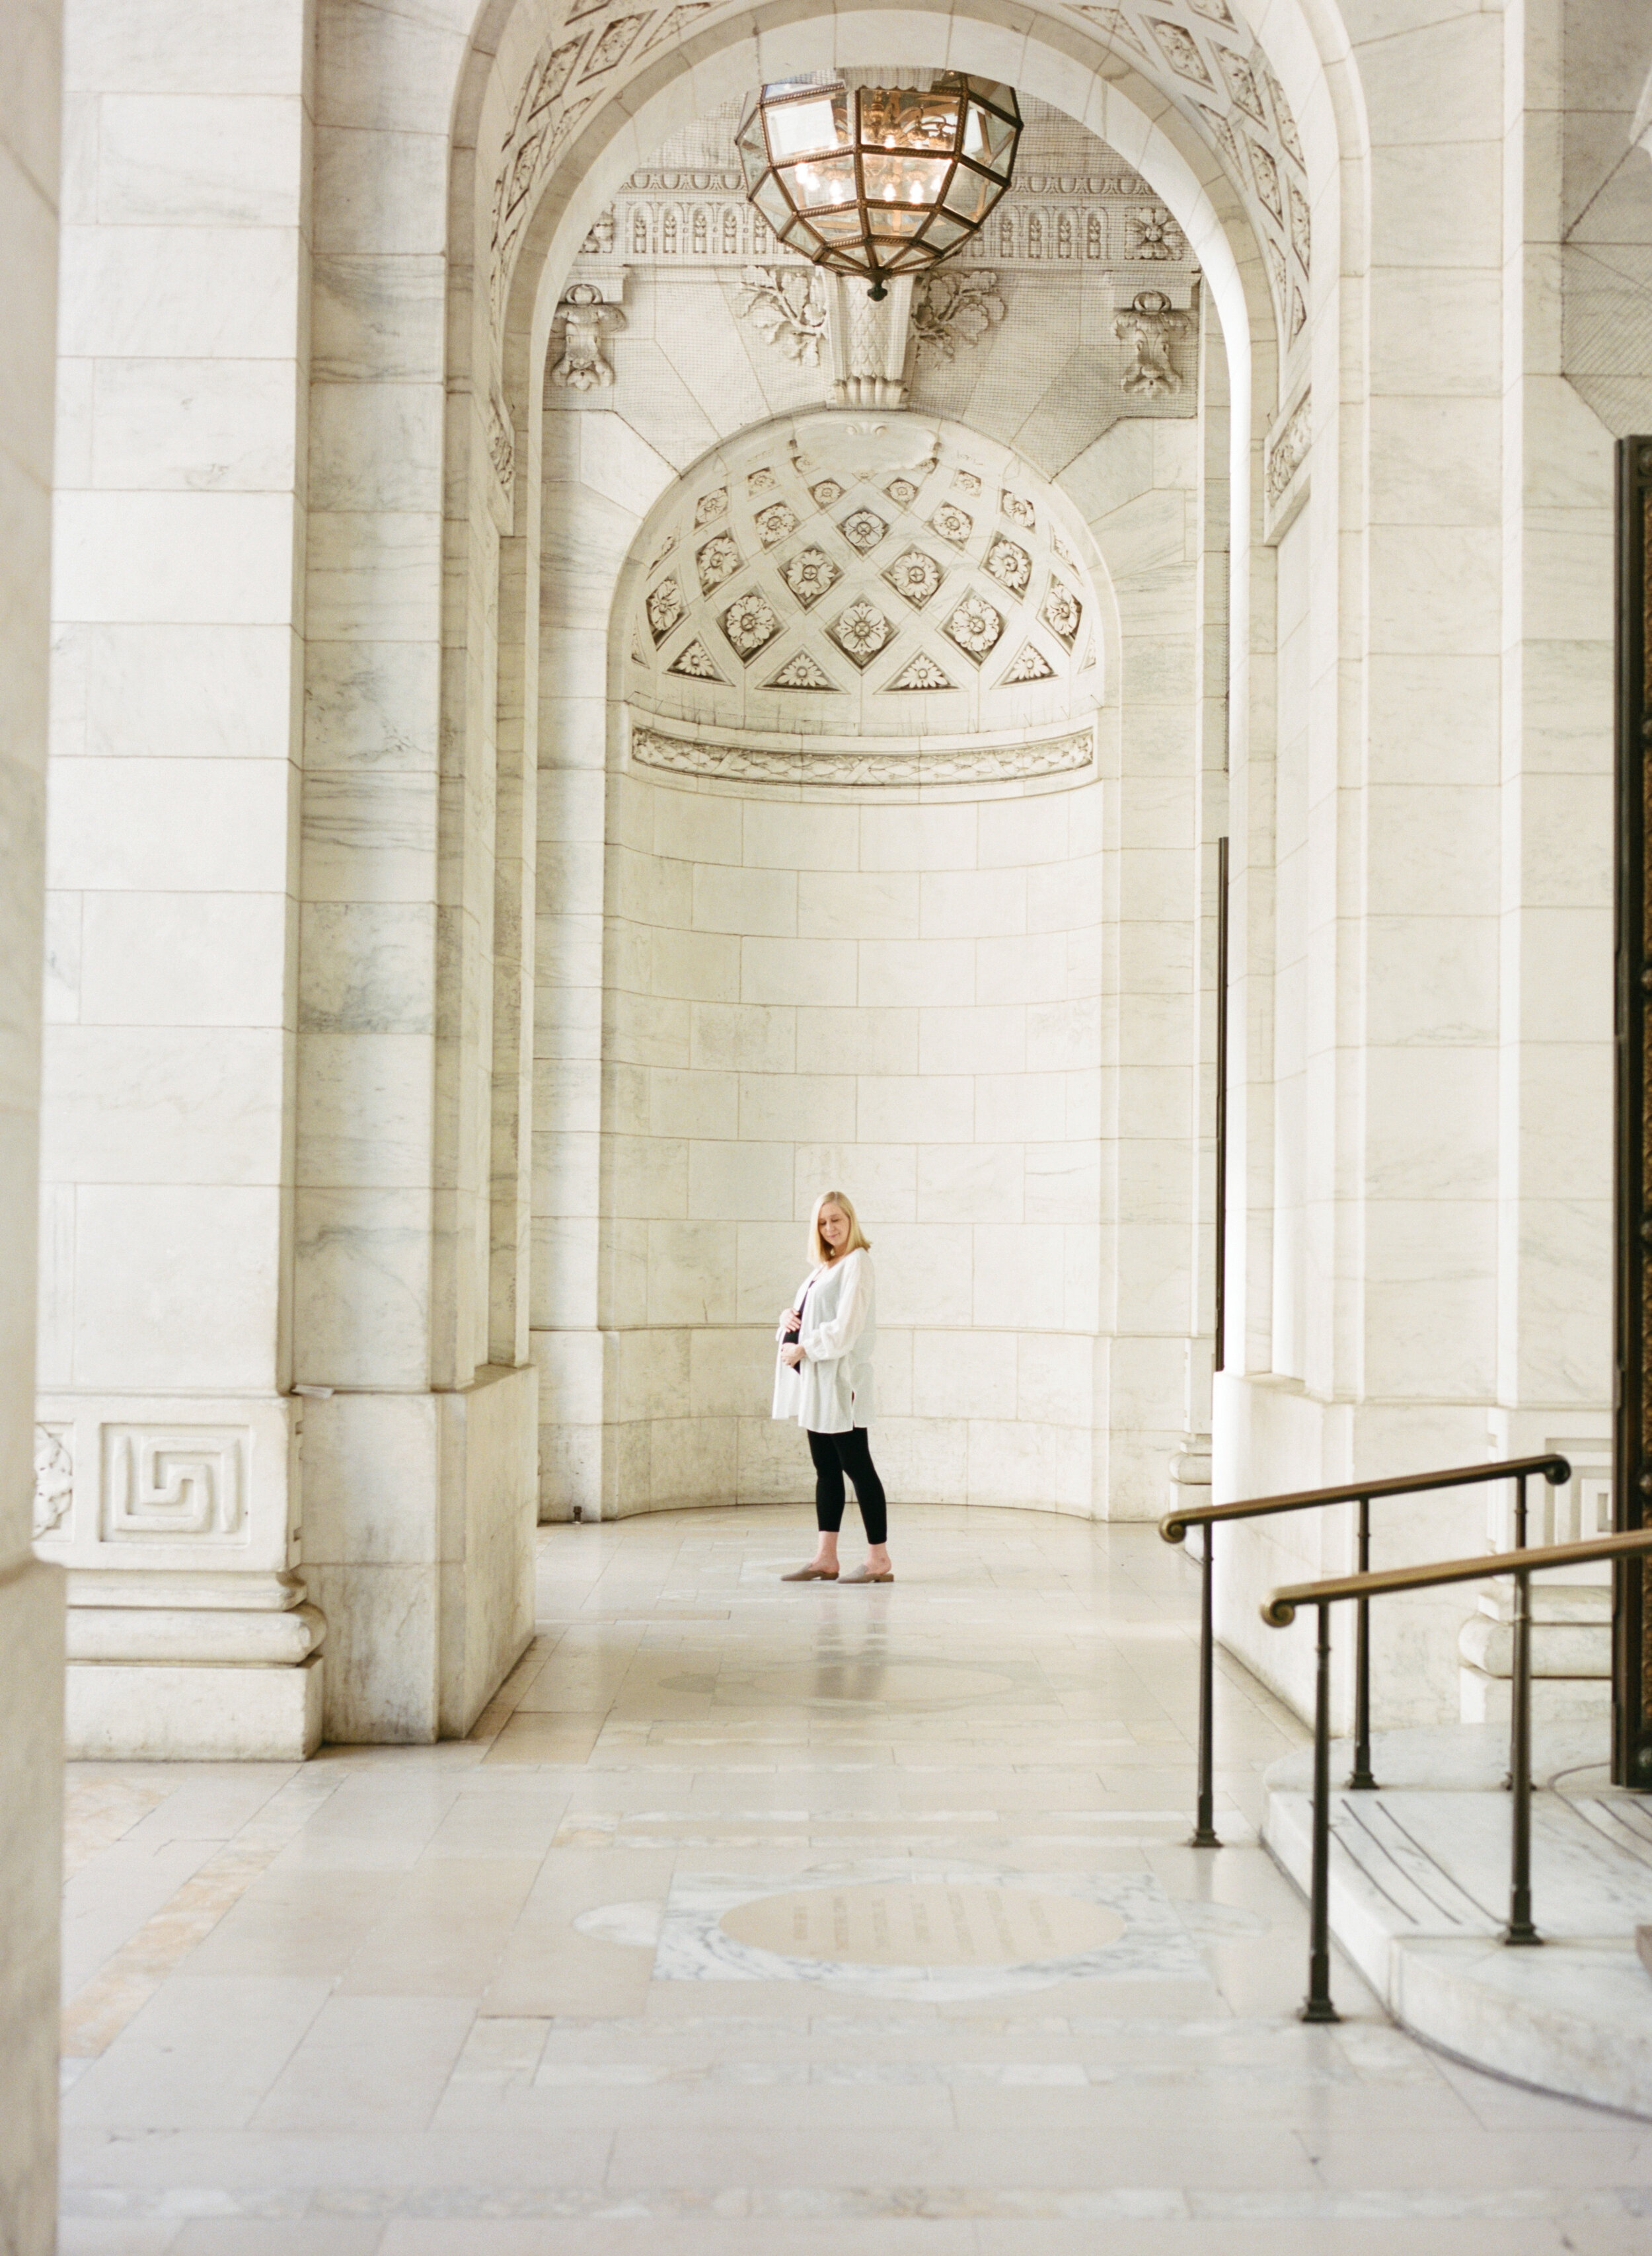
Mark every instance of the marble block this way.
pixel 422 1509
pixel 193 1711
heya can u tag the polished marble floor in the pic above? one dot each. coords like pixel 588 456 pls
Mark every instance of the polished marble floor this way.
pixel 774 1918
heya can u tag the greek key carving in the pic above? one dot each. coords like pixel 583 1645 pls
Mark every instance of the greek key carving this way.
pixel 174 1483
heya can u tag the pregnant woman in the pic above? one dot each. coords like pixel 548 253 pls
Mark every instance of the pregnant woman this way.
pixel 822 1378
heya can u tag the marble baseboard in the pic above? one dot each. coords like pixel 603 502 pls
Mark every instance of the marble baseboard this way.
pixel 153 1712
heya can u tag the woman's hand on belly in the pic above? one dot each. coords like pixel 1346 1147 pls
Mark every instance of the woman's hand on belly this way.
pixel 792 1355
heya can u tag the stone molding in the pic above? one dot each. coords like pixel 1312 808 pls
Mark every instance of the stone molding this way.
pixel 923 764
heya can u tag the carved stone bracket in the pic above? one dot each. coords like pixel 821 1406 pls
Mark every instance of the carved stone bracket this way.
pixel 871 342
pixel 1148 329
pixel 588 319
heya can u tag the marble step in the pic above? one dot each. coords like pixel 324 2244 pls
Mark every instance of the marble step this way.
pixel 1419 1896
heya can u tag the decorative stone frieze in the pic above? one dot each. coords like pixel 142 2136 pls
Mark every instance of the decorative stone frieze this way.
pixel 928 762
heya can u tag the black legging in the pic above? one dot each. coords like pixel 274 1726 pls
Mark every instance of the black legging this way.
pixel 836 1455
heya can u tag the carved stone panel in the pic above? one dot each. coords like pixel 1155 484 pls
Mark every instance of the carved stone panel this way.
pixel 173 1483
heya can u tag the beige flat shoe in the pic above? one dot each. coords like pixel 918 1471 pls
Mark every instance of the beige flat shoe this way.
pixel 888 1576
pixel 811 1574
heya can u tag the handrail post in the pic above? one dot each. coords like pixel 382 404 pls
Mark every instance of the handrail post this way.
pixel 1205 1821
pixel 1519 1929
pixel 1318 2007
pixel 1520 1545
pixel 1360 1779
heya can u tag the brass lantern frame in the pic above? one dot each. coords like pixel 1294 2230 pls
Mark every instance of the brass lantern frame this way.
pixel 879 181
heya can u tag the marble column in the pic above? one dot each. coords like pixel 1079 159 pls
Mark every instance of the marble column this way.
pixel 168 1099
pixel 31 1592
pixel 410 1261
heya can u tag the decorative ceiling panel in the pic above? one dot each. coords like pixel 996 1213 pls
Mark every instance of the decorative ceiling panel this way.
pixel 858 576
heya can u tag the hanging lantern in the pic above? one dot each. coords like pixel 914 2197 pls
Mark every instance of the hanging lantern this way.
pixel 879 180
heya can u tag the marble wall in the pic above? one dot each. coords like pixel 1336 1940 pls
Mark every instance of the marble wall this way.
pixel 977 1010
pixel 902 1001
pixel 30 1591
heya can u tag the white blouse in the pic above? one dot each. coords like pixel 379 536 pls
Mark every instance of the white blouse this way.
pixel 831 1390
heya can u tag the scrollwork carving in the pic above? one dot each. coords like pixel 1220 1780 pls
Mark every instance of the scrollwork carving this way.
pixel 788 309
pixel 1289 451
pixel 952 309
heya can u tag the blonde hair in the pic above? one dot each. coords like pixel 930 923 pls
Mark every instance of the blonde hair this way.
pixel 857 1240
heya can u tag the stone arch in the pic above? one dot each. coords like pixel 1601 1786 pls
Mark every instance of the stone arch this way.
pixel 494 483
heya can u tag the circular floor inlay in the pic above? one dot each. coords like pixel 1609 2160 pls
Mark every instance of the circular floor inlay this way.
pixel 863 1682
pixel 924 1923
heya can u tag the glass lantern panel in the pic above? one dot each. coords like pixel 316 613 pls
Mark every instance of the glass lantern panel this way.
pixel 1001 137
pixel 778 88
pixel 971 195
pixel 893 223
pixel 943 232
pixel 797 128
pixel 912 182
pixel 770 200
pixel 827 182
pixel 838 226
pixel 902 118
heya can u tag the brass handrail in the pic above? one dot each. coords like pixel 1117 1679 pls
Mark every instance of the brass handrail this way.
pixel 1554 1467
pixel 1280 1610
pixel 1173 1527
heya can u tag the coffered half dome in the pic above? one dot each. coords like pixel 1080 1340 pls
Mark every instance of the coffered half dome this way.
pixel 846 575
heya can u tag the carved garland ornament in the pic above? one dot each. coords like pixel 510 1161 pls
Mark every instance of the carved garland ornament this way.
pixel 966 763
pixel 1289 451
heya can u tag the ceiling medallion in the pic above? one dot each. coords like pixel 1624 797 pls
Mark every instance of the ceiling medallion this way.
pixel 874 180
